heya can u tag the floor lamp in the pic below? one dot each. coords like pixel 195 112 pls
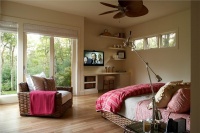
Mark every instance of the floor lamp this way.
pixel 156 115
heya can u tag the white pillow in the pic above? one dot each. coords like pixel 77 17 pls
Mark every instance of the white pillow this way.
pixel 30 81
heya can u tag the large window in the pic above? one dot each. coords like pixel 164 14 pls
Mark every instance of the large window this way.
pixel 63 49
pixel 8 58
pixel 39 53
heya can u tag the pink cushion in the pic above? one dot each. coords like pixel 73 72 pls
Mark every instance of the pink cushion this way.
pixel 180 102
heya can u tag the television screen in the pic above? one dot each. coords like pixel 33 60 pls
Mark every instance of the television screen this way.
pixel 93 58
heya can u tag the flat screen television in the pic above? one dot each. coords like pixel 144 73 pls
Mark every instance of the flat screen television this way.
pixel 93 58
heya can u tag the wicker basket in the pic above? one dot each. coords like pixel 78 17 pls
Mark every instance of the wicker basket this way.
pixel 117 119
pixel 24 101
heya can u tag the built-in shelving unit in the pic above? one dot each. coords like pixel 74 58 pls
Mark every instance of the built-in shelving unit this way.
pixel 90 82
pixel 115 47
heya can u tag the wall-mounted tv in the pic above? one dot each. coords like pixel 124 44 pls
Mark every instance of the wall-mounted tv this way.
pixel 93 58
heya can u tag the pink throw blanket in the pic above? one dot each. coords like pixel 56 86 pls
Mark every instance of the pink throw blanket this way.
pixel 112 100
pixel 42 102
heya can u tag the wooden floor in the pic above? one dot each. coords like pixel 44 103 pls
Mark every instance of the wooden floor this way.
pixel 81 118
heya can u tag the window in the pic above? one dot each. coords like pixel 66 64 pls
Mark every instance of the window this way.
pixel 38 54
pixel 39 57
pixel 8 58
pixel 139 44
pixel 63 49
pixel 162 40
pixel 58 46
pixel 152 42
pixel 168 40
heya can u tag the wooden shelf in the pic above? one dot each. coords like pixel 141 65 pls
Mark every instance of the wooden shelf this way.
pixel 116 48
pixel 117 59
pixel 112 37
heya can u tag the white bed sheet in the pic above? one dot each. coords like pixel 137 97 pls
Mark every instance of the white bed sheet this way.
pixel 129 106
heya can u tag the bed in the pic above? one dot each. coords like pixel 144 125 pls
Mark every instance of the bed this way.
pixel 125 105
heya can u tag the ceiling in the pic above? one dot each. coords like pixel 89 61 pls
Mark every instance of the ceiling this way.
pixel 91 9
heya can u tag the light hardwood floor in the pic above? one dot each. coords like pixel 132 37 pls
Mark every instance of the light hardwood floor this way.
pixel 81 118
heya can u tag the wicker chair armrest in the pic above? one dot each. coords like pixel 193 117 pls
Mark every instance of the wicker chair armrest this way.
pixel 23 87
pixel 70 89
pixel 24 93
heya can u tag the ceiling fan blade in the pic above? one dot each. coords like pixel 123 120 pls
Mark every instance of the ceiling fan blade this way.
pixel 125 3
pixel 110 5
pixel 134 13
pixel 119 15
pixel 135 6
pixel 108 12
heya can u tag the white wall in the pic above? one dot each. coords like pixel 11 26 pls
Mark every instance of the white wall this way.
pixel 94 42
pixel 169 63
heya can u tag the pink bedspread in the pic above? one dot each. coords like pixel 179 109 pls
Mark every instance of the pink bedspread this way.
pixel 42 102
pixel 142 113
pixel 112 100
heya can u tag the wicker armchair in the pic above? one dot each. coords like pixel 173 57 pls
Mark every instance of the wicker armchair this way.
pixel 24 101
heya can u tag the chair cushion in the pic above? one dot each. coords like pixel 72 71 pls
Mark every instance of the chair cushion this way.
pixel 50 84
pixel 38 83
pixel 66 95
pixel 30 81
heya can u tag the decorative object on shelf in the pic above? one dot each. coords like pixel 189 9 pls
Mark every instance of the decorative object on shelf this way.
pixel 156 115
pixel 106 33
pixel 121 54
pixel 120 35
pixel 106 69
pixel 113 69
pixel 133 8
pixel 115 56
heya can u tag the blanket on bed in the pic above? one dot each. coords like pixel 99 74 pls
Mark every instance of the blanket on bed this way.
pixel 112 100
pixel 42 102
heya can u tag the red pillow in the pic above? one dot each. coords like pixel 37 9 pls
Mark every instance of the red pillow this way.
pixel 180 102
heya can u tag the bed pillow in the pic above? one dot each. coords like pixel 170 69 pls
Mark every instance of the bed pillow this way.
pixel 180 102
pixel 30 82
pixel 50 84
pixel 165 93
pixel 38 83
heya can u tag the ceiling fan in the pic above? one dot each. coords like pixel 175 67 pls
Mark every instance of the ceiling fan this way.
pixel 129 8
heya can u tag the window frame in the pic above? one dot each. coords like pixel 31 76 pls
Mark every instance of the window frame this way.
pixel 159 39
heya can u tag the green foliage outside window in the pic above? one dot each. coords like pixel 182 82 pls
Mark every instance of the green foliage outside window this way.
pixel 38 57
pixel 8 43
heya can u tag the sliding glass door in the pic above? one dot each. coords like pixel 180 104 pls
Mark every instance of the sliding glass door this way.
pixel 46 51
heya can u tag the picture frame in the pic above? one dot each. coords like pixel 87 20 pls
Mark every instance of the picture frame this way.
pixel 121 54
